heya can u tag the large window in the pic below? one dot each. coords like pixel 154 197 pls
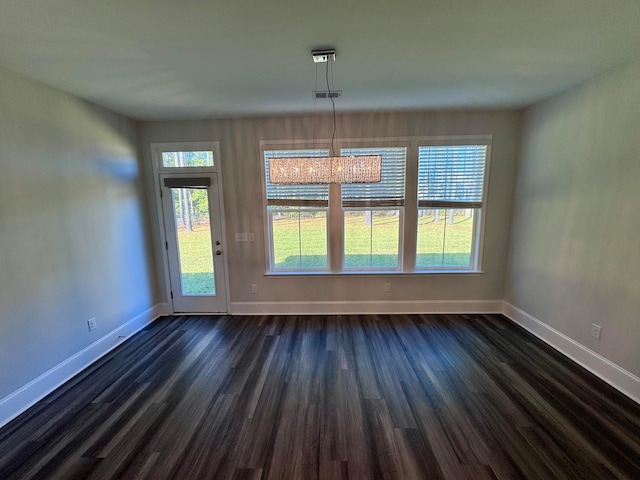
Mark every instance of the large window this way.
pixel 368 228
pixel 372 213
pixel 450 201
pixel 297 219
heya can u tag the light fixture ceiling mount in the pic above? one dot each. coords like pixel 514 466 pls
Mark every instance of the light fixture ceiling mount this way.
pixel 331 169
pixel 324 55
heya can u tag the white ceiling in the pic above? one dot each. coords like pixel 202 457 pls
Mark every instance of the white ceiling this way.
pixel 163 59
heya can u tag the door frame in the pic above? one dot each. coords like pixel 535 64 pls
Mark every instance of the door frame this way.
pixel 157 169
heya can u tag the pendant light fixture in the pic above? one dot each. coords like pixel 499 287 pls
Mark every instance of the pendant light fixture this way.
pixel 333 169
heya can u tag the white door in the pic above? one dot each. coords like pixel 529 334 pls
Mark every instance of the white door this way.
pixel 195 249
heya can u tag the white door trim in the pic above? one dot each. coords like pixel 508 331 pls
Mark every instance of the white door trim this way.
pixel 156 154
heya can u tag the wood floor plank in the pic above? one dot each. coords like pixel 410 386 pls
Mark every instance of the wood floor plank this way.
pixel 328 397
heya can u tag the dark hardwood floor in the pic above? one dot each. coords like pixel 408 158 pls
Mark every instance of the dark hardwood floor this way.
pixel 321 397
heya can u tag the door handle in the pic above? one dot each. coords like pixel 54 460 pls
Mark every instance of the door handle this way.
pixel 218 252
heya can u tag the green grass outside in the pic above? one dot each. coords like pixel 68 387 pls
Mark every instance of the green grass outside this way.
pixel 196 261
pixel 310 251
pixel 444 244
pixel 300 242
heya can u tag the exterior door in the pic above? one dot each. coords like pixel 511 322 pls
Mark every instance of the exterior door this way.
pixel 195 249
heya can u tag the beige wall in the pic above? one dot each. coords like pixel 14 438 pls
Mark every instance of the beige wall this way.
pixel 72 228
pixel 243 194
pixel 575 251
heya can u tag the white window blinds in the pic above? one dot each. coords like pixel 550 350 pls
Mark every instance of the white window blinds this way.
pixel 390 191
pixel 451 176
pixel 295 195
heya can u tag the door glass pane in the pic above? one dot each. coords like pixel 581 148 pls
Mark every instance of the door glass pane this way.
pixel 191 211
pixel 187 159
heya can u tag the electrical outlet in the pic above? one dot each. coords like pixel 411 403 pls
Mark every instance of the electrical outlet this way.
pixel 92 323
pixel 595 331
pixel 254 288
pixel 387 287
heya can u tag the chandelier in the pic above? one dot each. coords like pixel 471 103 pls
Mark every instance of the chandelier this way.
pixel 333 169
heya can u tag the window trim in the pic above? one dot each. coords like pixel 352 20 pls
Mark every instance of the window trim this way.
pixel 409 213
pixel 477 240
pixel 372 204
pixel 157 149
pixel 267 145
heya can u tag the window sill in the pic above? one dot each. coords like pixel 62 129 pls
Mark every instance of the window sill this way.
pixel 374 273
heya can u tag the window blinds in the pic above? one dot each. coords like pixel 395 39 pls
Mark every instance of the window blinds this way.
pixel 295 195
pixel 390 191
pixel 451 176
pixel 182 182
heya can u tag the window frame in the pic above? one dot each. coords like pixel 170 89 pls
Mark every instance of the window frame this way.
pixel 157 149
pixel 270 145
pixel 355 205
pixel 408 230
pixel 477 239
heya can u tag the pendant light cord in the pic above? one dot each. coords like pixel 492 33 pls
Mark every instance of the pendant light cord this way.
pixel 315 108
pixel 333 106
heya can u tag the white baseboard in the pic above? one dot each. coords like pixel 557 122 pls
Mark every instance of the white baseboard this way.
pixel 17 402
pixel 619 378
pixel 365 307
